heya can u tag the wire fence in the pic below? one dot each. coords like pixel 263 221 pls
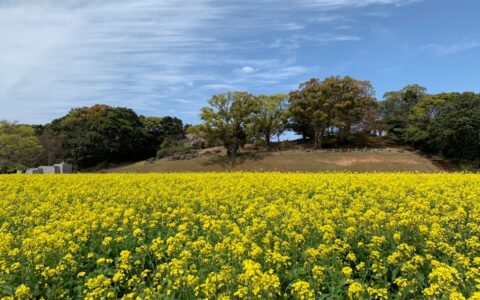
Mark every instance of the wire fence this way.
pixel 339 150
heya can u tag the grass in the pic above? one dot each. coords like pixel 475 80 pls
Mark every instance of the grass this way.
pixel 387 160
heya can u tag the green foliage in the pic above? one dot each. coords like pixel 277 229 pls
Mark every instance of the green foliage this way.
pixel 396 108
pixel 170 147
pixel 226 119
pixel 271 117
pixel 350 101
pixel 420 119
pixel 447 124
pixel 309 103
pixel 455 130
pixel 158 130
pixel 52 143
pixel 100 134
pixel 19 146
pixel 335 104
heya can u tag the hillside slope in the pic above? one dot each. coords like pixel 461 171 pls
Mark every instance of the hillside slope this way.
pixel 388 160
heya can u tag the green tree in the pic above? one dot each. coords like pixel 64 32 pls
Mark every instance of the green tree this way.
pixel 271 117
pixel 158 129
pixel 100 134
pixel 396 108
pixel 226 118
pixel 309 105
pixel 51 142
pixel 350 101
pixel 19 146
pixel 455 130
pixel 422 116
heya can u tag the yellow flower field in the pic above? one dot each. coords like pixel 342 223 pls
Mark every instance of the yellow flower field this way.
pixel 240 236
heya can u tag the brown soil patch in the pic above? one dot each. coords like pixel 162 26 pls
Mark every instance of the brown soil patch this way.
pixel 350 161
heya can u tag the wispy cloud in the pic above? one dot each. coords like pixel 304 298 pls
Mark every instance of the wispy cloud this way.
pixel 154 56
pixel 335 4
pixel 447 49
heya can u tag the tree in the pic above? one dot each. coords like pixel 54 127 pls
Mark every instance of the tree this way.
pixel 396 108
pixel 422 116
pixel 226 119
pixel 157 130
pixel 100 134
pixel 51 142
pixel 349 100
pixel 455 130
pixel 309 105
pixel 271 117
pixel 19 146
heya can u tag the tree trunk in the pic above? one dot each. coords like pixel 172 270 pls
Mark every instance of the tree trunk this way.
pixel 232 149
pixel 267 139
pixel 232 152
pixel 317 140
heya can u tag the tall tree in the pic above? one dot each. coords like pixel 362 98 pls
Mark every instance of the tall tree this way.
pixel 100 134
pixel 157 130
pixel 19 146
pixel 226 119
pixel 52 144
pixel 271 117
pixel 455 130
pixel 309 105
pixel 350 101
pixel 396 108
pixel 421 118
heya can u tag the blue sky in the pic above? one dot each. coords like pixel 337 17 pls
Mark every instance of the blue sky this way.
pixel 167 57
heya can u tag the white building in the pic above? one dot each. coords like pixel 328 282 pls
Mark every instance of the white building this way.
pixel 61 168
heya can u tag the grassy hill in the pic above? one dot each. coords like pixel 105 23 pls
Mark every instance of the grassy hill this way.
pixel 386 160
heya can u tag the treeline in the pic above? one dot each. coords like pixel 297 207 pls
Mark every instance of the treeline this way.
pixel 86 137
pixel 334 112
pixel 447 124
pixel 339 111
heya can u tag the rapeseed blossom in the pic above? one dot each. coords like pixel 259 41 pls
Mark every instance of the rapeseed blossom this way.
pixel 240 236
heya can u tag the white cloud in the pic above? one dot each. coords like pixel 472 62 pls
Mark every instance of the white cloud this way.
pixel 333 4
pixel 151 55
pixel 245 70
pixel 454 48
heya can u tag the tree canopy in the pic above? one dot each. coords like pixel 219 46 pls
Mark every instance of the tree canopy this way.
pixel 100 134
pixel 336 111
pixel 19 146
pixel 159 129
pixel 271 116
pixel 226 118
pixel 396 108
pixel 333 105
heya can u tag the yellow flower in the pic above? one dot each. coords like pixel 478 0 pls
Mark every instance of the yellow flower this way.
pixel 240 235
pixel 302 290
pixel 119 276
pixel 318 273
pixel 23 291
pixel 347 271
pixel 355 290
pixel 107 240
pixel 376 293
